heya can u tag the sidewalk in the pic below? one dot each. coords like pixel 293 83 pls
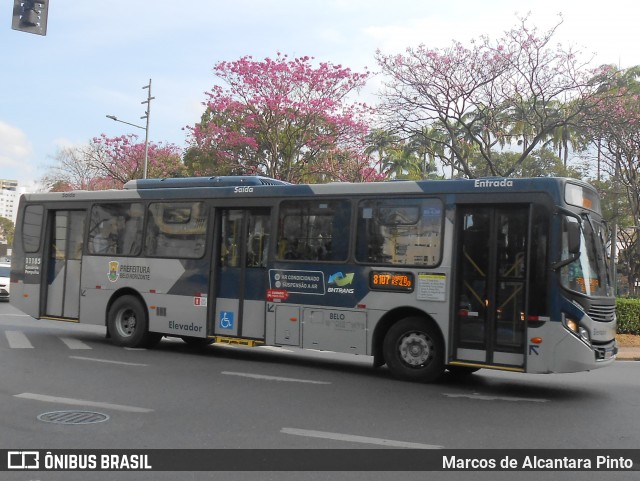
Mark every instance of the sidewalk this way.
pixel 629 354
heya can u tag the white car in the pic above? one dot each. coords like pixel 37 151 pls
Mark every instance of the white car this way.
pixel 5 270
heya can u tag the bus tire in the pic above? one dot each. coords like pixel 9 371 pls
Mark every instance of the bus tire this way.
pixel 128 323
pixel 414 351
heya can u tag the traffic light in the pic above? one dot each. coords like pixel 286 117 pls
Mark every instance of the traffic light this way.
pixel 30 16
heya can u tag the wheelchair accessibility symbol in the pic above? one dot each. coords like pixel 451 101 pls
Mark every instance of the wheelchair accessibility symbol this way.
pixel 226 320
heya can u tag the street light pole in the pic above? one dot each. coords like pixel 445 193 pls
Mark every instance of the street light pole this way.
pixel 145 128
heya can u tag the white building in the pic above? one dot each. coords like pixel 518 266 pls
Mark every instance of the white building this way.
pixel 9 196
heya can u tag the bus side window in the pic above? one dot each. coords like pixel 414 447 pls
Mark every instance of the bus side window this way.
pixel 314 231
pixel 32 227
pixel 402 231
pixel 104 241
pixel 115 229
pixel 176 229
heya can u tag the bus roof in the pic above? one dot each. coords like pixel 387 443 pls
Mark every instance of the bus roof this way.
pixel 257 186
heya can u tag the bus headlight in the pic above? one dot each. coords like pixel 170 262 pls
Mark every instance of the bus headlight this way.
pixel 575 327
pixel 571 325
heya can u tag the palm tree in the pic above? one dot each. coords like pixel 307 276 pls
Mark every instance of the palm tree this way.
pixel 402 162
pixel 429 145
pixel 379 142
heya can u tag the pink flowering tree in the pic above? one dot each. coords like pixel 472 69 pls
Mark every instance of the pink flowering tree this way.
pixel 283 118
pixel 122 158
pixel 513 93
pixel 109 162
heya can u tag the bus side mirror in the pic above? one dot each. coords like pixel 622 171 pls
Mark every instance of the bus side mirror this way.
pixel 573 232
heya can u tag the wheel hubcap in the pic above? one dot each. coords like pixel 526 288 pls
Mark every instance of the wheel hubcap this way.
pixel 415 349
pixel 126 324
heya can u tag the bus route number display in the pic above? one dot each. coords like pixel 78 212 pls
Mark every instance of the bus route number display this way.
pixel 391 281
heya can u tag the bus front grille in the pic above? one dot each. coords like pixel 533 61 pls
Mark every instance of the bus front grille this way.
pixel 602 313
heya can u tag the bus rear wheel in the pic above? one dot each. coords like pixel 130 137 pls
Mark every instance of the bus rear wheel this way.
pixel 413 350
pixel 128 323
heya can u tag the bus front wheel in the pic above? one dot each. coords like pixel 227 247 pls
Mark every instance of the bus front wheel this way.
pixel 414 351
pixel 128 323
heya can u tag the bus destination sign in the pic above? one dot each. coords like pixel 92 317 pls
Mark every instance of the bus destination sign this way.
pixel 391 281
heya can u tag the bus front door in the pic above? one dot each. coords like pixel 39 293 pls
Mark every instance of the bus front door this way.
pixel 64 263
pixel 489 327
pixel 241 273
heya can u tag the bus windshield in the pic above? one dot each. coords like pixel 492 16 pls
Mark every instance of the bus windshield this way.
pixel 588 274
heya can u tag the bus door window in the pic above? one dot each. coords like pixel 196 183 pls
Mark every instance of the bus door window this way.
pixel 512 226
pixel 68 235
pixel 231 238
pixel 472 309
pixel 257 240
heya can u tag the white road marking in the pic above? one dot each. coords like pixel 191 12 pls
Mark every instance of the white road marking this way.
pixel 17 340
pixel 272 378
pixel 82 402
pixel 108 361
pixel 275 349
pixel 73 343
pixel 484 397
pixel 357 439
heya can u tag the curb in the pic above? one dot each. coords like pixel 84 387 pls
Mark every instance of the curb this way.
pixel 628 354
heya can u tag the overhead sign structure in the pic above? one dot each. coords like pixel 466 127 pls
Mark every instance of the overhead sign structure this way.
pixel 30 16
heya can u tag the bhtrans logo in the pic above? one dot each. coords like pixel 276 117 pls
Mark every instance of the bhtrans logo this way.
pixel 486 183
pixel 340 281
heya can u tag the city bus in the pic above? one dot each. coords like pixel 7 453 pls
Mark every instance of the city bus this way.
pixel 423 276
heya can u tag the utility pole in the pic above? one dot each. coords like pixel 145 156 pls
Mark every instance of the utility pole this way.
pixel 146 115
pixel 145 128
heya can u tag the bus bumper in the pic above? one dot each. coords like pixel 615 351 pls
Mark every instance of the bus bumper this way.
pixel 573 355
pixel 569 353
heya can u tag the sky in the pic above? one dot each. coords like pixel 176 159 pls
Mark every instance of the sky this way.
pixel 56 90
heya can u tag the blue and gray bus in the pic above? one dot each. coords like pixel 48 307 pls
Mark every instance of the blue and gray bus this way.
pixel 423 276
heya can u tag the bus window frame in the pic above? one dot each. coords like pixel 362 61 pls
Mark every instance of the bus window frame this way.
pixel 357 202
pixel 40 233
pixel 206 208
pixel 278 216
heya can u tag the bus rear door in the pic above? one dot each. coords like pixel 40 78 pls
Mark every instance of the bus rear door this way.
pixel 65 234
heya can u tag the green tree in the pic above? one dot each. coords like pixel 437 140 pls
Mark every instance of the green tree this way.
pixel 379 143
pixel 6 230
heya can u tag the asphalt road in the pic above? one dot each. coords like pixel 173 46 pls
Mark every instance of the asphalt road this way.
pixel 176 397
